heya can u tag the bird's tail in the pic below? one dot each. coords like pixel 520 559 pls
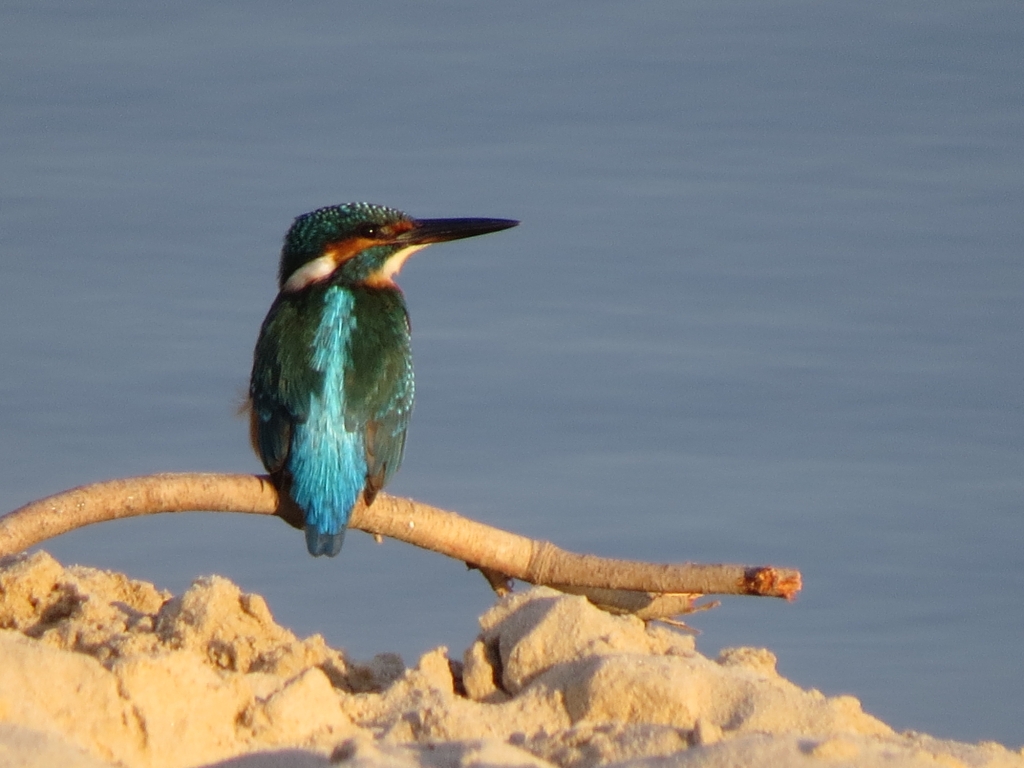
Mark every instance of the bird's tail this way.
pixel 323 543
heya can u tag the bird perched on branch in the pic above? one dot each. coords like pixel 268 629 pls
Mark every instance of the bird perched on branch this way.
pixel 331 389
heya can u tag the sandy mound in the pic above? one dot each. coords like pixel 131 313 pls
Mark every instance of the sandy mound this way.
pixel 97 669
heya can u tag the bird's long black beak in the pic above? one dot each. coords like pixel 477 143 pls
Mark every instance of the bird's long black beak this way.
pixel 426 231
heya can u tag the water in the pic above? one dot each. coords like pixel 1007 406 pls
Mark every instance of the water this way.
pixel 764 306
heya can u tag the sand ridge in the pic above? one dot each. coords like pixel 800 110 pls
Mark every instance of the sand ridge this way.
pixel 97 669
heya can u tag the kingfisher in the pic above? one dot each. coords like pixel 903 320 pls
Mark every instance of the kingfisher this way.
pixel 331 389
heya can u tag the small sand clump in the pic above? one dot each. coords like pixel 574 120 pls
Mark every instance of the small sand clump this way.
pixel 99 670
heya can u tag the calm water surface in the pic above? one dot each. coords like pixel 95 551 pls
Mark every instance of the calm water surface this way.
pixel 765 304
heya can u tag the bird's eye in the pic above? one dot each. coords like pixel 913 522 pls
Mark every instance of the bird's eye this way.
pixel 369 231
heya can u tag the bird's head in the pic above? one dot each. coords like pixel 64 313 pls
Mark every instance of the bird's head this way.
pixel 364 244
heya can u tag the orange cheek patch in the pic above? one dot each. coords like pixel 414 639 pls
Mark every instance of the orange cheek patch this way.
pixel 341 252
pixel 324 265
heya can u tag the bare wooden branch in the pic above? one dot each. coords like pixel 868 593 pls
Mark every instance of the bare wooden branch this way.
pixel 647 589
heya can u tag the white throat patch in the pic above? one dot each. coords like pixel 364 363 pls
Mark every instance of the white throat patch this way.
pixel 394 263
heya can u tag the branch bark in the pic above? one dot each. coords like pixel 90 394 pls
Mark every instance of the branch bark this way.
pixel 649 590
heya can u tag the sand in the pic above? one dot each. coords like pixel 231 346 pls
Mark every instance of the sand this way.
pixel 99 670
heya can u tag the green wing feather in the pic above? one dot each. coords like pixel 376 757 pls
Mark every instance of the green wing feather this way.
pixel 379 382
pixel 282 377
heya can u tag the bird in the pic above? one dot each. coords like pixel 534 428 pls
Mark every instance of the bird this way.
pixel 331 389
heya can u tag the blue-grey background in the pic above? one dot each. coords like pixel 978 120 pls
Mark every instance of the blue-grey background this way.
pixel 765 305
